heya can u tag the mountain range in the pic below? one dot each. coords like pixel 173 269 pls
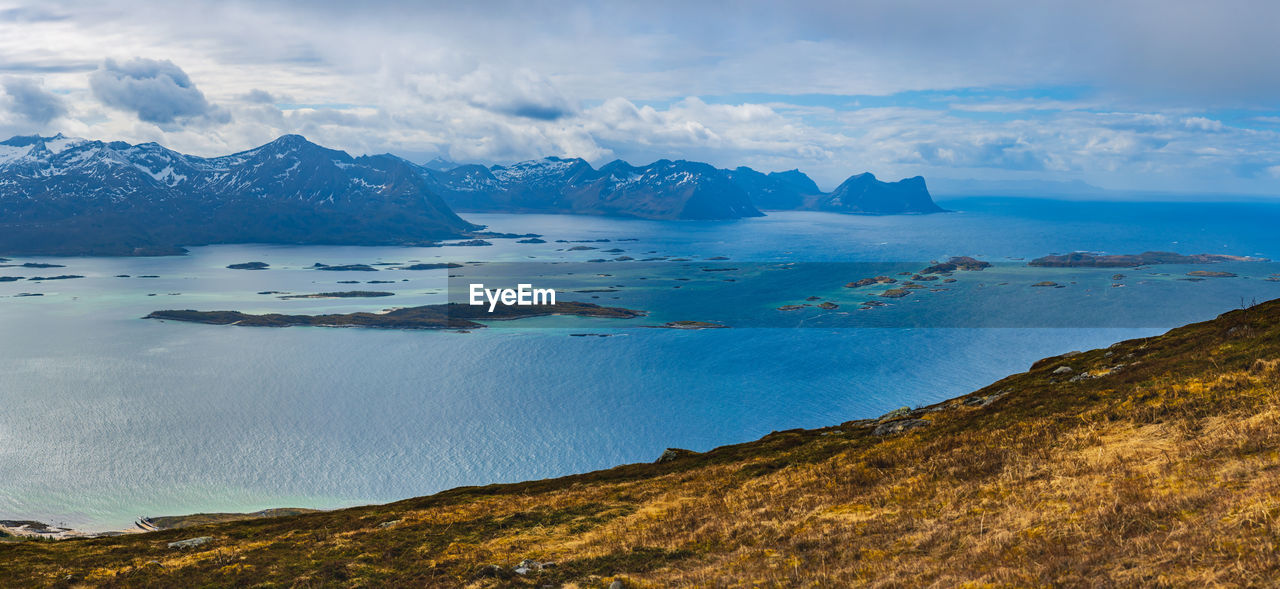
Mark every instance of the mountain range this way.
pixel 61 195
pixel 664 189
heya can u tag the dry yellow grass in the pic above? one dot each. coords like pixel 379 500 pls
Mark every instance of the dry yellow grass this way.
pixel 1162 470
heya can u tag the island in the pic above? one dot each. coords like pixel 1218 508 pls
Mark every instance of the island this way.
pixel 956 263
pixel 1090 260
pixel 430 266
pixel 441 316
pixel 344 268
pixel 348 294
pixel 250 266
pixel 689 325
pixel 870 281
pixel 1208 274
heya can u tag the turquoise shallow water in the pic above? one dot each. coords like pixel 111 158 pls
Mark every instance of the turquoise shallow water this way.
pixel 105 417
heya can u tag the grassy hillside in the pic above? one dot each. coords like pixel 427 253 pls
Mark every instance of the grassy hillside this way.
pixel 1155 462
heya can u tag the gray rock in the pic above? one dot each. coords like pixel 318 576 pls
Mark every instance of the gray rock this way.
pixel 527 566
pixel 675 454
pixel 1063 370
pixel 987 400
pixel 617 585
pixel 895 414
pixel 388 524
pixel 902 425
pixel 191 542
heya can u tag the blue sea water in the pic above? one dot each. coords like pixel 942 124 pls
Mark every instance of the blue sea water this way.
pixel 105 416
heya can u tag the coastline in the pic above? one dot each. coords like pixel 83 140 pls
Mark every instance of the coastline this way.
pixel 893 422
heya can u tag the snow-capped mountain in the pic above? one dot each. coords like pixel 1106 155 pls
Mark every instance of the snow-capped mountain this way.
pixel 665 189
pixel 68 195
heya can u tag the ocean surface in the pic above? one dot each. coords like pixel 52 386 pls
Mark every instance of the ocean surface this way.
pixel 106 416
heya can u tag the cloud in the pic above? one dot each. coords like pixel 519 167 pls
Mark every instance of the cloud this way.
pixel 259 96
pixel 158 91
pixel 1116 94
pixel 1203 124
pixel 31 14
pixel 47 67
pixel 519 93
pixel 32 102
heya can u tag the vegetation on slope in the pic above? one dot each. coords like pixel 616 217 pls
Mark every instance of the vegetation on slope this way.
pixel 1153 462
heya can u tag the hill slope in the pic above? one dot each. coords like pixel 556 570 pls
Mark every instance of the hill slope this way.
pixel 61 195
pixel 1152 462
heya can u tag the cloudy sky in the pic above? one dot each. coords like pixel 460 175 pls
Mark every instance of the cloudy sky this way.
pixel 1140 95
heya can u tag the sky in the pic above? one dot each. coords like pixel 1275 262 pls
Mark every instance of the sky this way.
pixel 1130 96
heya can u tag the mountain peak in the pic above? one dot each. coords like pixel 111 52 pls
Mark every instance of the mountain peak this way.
pixel 290 141
pixel 440 164
pixel 23 140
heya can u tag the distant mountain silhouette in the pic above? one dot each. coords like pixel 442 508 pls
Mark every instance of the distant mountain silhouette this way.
pixel 664 189
pixel 61 195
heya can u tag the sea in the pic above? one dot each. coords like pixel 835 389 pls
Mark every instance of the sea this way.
pixel 106 416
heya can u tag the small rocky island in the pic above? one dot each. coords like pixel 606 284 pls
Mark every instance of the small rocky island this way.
pixel 250 266
pixel 694 325
pixel 964 263
pixel 443 316
pixel 344 267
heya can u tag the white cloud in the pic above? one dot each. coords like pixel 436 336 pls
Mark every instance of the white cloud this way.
pixel 505 81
